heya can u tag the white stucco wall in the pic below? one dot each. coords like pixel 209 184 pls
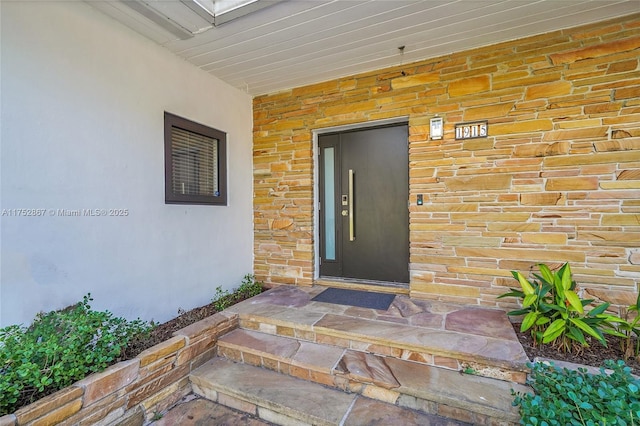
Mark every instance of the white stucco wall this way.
pixel 82 103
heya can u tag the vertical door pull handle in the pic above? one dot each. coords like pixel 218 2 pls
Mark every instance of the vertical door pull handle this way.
pixel 352 231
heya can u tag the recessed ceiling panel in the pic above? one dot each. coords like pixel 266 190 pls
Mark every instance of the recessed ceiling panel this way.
pixel 298 42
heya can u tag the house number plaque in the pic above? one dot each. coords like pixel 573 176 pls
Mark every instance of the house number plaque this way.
pixel 476 129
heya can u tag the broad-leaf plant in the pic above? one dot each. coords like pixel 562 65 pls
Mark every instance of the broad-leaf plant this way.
pixel 554 312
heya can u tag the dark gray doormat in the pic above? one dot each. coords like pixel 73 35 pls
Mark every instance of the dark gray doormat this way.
pixel 362 299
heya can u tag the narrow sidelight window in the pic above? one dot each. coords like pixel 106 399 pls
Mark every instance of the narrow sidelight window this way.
pixel 195 162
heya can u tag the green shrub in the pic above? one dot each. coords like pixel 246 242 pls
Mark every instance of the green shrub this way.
pixel 59 348
pixel 555 313
pixel 249 287
pixel 567 397
pixel 222 299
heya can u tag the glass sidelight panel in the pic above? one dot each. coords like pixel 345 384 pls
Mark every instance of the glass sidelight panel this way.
pixel 329 204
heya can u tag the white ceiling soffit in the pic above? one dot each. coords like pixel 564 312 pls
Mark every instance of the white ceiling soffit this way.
pixel 298 42
pixel 167 20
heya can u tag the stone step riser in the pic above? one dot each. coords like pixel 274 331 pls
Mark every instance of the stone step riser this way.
pixel 404 383
pixel 416 354
pixel 346 384
pixel 284 400
pixel 290 368
pixel 273 414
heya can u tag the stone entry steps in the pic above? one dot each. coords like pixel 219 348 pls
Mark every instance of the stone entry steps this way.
pixel 499 357
pixel 286 400
pixel 415 356
pixel 428 389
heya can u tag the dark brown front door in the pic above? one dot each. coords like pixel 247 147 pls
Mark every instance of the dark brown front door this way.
pixel 364 215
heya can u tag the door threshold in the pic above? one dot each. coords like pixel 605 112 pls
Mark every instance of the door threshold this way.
pixel 366 285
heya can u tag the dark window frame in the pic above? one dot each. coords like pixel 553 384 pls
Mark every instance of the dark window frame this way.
pixel 172 121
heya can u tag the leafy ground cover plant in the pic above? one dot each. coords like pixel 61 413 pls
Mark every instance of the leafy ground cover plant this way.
pixel 59 348
pixel 555 313
pixel 249 287
pixel 568 397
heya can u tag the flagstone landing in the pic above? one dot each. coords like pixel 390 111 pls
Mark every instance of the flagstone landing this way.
pixel 468 339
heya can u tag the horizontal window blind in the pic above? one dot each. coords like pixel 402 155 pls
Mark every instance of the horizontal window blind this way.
pixel 194 163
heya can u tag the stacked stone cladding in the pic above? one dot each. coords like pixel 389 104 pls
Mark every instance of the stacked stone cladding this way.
pixel 557 179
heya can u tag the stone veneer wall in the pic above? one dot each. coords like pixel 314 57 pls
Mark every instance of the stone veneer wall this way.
pixel 558 178
pixel 131 392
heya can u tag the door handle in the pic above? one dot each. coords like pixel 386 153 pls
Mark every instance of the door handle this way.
pixel 352 231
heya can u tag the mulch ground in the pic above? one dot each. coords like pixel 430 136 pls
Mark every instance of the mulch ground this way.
pixel 594 355
pixel 164 331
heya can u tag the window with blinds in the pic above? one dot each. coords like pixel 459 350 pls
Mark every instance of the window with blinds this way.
pixel 195 162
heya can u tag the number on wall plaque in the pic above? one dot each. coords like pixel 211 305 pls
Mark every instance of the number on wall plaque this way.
pixel 477 129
